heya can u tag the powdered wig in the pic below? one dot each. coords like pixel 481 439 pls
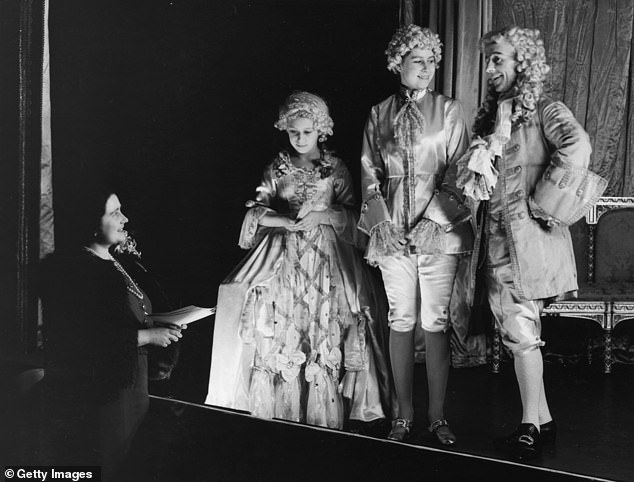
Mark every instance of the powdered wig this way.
pixel 406 39
pixel 531 70
pixel 308 106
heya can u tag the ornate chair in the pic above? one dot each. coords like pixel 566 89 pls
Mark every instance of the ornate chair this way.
pixel 604 251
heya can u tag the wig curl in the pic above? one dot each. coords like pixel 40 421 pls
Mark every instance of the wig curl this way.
pixel 308 106
pixel 406 39
pixel 531 69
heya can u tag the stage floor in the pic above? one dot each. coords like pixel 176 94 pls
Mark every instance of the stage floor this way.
pixel 186 442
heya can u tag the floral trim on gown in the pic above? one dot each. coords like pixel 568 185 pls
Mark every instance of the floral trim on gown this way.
pixel 300 322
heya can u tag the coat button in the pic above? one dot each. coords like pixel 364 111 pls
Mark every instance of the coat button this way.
pixel 579 192
pixel 562 185
pixel 521 215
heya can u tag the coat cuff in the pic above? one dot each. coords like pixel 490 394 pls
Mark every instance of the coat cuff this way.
pixel 373 212
pixel 447 210
pixel 566 193
pixel 381 243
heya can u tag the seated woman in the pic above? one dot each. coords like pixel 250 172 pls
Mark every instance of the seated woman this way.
pixel 97 330
pixel 300 325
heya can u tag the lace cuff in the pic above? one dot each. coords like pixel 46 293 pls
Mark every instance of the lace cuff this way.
pixel 428 237
pixel 249 231
pixel 373 212
pixel 381 242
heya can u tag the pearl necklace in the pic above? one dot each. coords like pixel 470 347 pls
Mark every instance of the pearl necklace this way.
pixel 131 286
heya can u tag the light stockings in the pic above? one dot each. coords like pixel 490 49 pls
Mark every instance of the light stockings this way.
pixel 529 370
pixel 544 412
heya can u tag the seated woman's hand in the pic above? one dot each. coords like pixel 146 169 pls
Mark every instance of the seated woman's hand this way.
pixel 159 336
pixel 310 221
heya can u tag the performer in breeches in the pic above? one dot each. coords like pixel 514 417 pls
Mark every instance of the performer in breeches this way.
pixel 526 175
pixel 415 218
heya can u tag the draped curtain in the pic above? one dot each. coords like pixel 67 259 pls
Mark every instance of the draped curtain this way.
pixel 460 24
pixel 47 227
pixel 588 46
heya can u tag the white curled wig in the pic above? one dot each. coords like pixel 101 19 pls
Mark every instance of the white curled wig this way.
pixel 308 106
pixel 531 69
pixel 406 39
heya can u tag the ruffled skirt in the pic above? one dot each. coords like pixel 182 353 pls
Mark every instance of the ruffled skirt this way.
pixel 300 333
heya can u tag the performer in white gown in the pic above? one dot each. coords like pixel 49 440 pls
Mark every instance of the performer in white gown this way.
pixel 300 322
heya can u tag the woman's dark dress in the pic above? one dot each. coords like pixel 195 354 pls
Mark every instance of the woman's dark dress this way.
pixel 95 387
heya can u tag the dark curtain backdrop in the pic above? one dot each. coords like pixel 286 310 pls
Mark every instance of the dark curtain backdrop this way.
pixel 21 27
pixel 174 101
pixel 588 45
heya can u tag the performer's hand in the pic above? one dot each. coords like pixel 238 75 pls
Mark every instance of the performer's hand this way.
pixel 310 221
pixel 159 336
pixel 396 245
pixel 289 224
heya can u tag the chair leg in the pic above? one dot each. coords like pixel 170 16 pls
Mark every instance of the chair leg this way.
pixel 589 349
pixel 607 353
pixel 496 351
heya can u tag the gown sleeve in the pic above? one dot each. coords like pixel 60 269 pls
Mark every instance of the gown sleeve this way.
pixel 341 213
pixel 266 192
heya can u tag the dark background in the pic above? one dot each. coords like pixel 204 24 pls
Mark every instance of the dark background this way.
pixel 173 103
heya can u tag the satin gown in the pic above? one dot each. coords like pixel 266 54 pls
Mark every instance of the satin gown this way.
pixel 300 325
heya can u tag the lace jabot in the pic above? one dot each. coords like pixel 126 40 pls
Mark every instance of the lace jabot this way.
pixel 409 121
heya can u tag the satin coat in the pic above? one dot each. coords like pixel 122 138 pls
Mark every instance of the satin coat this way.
pixel 405 189
pixel 401 192
pixel 542 175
